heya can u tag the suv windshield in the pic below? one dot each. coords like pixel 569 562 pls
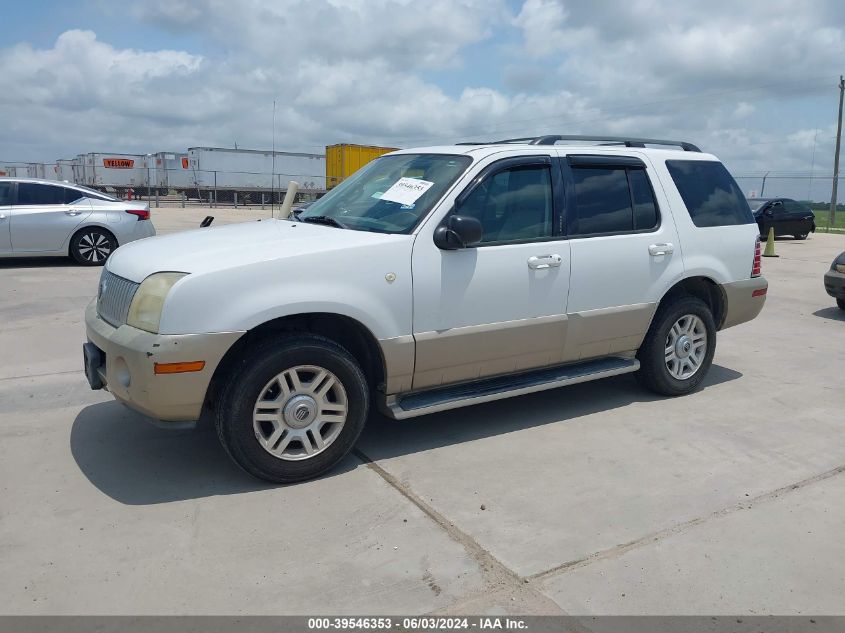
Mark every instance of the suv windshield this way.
pixel 389 195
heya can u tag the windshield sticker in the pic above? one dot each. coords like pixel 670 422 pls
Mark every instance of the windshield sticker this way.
pixel 406 190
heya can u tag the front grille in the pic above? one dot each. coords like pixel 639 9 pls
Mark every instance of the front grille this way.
pixel 114 297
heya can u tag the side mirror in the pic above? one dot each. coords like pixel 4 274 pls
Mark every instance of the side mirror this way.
pixel 458 231
pixel 768 212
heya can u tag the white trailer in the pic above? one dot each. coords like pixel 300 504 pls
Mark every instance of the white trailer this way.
pixel 170 170
pixel 65 169
pixel 115 172
pixel 255 172
pixel 28 170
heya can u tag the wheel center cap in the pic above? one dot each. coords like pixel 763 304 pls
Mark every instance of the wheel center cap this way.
pixel 300 411
pixel 683 346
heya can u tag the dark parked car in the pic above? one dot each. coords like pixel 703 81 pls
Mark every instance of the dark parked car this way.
pixel 834 280
pixel 786 215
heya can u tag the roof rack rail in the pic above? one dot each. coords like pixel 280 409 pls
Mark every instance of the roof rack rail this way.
pixel 551 139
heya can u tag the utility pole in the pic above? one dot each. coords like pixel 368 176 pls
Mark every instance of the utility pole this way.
pixel 763 188
pixel 812 168
pixel 273 163
pixel 831 219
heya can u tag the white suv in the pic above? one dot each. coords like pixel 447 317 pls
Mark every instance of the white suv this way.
pixel 431 279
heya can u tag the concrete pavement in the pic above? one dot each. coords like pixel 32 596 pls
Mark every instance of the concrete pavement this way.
pixel 598 498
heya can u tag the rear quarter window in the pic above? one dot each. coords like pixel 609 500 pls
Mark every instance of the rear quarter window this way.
pixel 710 194
pixel 5 194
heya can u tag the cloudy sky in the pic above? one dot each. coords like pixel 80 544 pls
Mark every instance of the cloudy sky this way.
pixel 754 82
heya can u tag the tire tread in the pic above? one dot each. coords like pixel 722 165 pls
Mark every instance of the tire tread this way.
pixel 653 373
pixel 265 350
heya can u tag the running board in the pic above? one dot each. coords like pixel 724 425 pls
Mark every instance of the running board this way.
pixel 417 403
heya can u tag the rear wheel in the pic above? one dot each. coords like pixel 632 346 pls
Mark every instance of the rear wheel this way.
pixel 92 246
pixel 678 348
pixel 841 303
pixel 801 236
pixel 292 410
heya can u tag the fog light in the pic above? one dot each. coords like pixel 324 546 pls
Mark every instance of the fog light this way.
pixel 122 373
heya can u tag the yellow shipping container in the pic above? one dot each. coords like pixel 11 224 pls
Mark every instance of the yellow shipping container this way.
pixel 344 159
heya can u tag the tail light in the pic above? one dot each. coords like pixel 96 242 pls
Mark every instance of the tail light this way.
pixel 144 214
pixel 755 267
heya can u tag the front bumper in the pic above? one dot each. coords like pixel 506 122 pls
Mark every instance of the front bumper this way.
pixel 744 300
pixel 125 366
pixel 834 284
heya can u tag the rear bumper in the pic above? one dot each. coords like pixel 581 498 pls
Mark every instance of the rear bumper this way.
pixel 125 366
pixel 143 228
pixel 744 300
pixel 834 284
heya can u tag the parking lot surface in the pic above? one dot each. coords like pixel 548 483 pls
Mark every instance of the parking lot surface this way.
pixel 598 498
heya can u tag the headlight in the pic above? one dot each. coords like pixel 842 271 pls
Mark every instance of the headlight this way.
pixel 146 306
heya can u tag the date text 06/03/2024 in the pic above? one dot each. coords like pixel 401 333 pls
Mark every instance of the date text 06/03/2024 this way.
pixel 417 623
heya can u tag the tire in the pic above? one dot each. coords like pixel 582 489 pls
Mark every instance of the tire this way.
pixel 841 303
pixel 92 246
pixel 655 373
pixel 269 442
pixel 800 236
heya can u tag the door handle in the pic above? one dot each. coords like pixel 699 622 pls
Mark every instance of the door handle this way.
pixel 661 249
pixel 544 261
pixel 2 216
pixel 72 213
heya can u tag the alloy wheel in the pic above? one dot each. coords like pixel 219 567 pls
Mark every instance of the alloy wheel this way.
pixel 94 247
pixel 686 347
pixel 300 412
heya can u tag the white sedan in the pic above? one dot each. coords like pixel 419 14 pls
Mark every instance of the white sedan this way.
pixel 43 218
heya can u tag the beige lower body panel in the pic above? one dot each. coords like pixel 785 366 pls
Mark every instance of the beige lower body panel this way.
pixel 398 355
pixel 479 351
pixel 131 355
pixel 594 333
pixel 740 304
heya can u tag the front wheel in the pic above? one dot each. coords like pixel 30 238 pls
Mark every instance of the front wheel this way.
pixel 678 348
pixel 801 236
pixel 841 303
pixel 92 246
pixel 292 409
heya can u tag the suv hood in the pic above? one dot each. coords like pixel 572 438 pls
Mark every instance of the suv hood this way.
pixel 233 245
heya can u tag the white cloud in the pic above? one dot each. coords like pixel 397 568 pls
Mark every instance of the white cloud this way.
pixel 725 75
pixel 407 34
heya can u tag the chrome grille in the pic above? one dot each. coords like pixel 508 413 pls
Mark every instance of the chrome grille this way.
pixel 113 298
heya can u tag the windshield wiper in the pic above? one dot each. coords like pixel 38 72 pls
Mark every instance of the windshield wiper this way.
pixel 324 219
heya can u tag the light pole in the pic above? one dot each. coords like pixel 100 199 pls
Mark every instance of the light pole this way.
pixel 831 218
pixel 812 168
pixel 273 163
pixel 763 188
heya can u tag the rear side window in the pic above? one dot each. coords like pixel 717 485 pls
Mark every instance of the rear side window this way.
pixel 5 194
pixel 612 200
pixel 645 209
pixel 795 207
pixel 72 195
pixel 710 194
pixel 32 193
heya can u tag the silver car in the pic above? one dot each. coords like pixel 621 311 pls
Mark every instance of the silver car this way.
pixel 44 217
